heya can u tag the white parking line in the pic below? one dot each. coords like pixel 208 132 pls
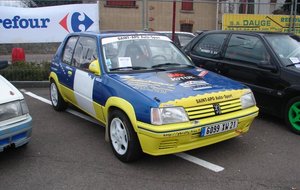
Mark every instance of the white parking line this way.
pixel 195 160
pixel 200 162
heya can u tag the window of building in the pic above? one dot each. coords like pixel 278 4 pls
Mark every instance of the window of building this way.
pixel 210 45
pixel 246 7
pixel 187 5
pixel 186 27
pixel 116 3
pixel 249 49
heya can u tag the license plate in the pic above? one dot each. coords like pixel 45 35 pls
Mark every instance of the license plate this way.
pixel 219 127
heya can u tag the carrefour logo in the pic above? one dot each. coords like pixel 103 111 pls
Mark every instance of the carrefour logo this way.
pixel 23 23
pixel 76 22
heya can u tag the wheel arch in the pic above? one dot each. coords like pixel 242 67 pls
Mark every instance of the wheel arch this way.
pixel 53 76
pixel 123 105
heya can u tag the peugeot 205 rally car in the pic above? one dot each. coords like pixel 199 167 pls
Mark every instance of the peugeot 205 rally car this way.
pixel 15 121
pixel 147 93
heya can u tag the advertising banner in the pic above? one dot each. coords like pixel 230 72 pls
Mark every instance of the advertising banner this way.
pixel 46 24
pixel 271 23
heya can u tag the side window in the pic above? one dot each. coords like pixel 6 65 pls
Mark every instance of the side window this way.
pixel 69 49
pixel 210 45
pixel 85 52
pixel 247 48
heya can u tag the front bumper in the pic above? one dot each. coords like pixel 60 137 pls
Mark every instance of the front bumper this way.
pixel 169 139
pixel 15 134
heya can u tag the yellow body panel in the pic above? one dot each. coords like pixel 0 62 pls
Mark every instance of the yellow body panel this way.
pixel 168 139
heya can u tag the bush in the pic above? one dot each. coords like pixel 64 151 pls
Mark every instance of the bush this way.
pixel 24 71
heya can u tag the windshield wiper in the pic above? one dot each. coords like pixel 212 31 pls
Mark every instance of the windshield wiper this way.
pixel 292 64
pixel 127 68
pixel 167 64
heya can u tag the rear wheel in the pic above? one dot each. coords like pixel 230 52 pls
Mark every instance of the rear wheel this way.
pixel 292 114
pixel 57 101
pixel 123 138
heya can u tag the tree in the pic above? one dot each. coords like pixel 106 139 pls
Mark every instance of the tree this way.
pixel 286 8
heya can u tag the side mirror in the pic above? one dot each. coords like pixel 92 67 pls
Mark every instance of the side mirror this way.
pixel 94 67
pixel 3 64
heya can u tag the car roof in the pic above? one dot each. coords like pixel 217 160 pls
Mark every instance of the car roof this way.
pixel 176 32
pixel 246 32
pixel 104 34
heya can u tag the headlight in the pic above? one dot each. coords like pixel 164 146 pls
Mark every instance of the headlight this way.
pixel 13 109
pixel 160 116
pixel 247 100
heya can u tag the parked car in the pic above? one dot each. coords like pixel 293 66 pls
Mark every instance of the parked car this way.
pixel 147 93
pixel 180 38
pixel 269 63
pixel 15 121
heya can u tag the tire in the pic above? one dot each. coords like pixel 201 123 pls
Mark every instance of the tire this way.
pixel 123 138
pixel 57 101
pixel 292 115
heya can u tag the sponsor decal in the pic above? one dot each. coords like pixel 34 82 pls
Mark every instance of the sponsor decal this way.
pixel 147 85
pixel 77 23
pixel 181 76
pixel 196 85
pixel 214 98
pixel 189 80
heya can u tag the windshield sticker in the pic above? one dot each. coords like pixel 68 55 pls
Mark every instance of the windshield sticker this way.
pixel 108 63
pixel 149 85
pixel 294 59
pixel 134 37
pixel 124 62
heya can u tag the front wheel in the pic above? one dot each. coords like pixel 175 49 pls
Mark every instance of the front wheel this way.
pixel 57 101
pixel 292 115
pixel 123 139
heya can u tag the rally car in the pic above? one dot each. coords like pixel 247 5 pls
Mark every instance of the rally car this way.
pixel 15 121
pixel 147 93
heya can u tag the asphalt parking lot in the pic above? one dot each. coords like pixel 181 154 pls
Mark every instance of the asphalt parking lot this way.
pixel 68 151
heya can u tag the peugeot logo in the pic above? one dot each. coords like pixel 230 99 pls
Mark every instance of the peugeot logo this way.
pixel 217 109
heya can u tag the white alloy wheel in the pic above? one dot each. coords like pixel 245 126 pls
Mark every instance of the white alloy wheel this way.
pixel 119 136
pixel 54 94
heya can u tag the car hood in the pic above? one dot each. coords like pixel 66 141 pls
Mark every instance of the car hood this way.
pixel 165 86
pixel 8 91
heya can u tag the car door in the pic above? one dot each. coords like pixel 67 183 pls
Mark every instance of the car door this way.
pixel 247 59
pixel 206 52
pixel 66 72
pixel 85 52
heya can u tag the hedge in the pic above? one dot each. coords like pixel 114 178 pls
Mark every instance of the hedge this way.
pixel 24 71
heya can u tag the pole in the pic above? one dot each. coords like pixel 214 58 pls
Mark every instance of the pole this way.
pixel 217 16
pixel 174 20
pixel 295 14
pixel 291 15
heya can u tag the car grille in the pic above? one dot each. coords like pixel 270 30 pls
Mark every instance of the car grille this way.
pixel 204 111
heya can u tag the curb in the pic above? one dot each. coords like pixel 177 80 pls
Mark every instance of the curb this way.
pixel 31 84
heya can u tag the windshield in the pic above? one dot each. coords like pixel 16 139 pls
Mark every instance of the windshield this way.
pixel 287 48
pixel 140 52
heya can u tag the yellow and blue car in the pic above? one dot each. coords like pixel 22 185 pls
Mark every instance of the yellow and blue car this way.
pixel 147 94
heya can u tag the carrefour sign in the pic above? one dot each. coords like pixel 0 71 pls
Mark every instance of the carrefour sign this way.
pixel 47 24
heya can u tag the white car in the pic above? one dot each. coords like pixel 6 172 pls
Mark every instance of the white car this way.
pixel 15 121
